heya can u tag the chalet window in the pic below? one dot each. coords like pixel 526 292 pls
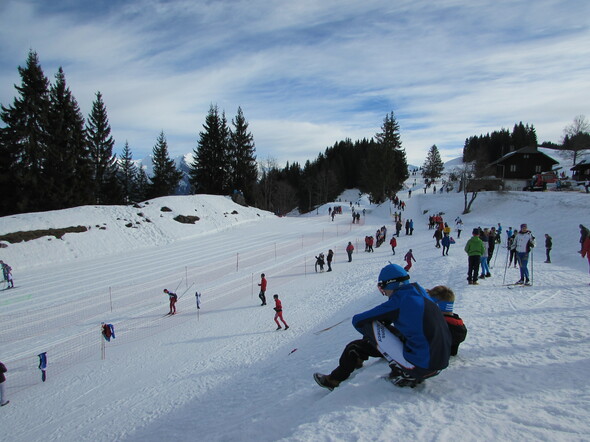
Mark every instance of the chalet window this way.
pixel 513 168
pixel 537 169
pixel 526 156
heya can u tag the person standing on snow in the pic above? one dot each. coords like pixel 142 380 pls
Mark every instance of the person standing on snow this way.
pixel 3 370
pixel 262 286
pixel 524 241
pixel 278 308
pixel 584 233
pixel 485 268
pixel 173 298
pixel 421 336
pixel 446 243
pixel 349 250
pixel 474 249
pixel 586 250
pixel 408 258
pixel 548 247
pixel 7 274
pixel 393 244
pixel 329 259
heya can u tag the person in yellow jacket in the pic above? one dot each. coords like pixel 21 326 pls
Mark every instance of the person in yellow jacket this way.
pixel 474 249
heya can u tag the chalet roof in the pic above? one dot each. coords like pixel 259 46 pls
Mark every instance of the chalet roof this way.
pixel 528 149
pixel 582 164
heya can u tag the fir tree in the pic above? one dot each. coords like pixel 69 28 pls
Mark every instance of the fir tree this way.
pixel 243 171
pixel 433 166
pixel 104 163
pixel 23 141
pixel 208 171
pixel 165 177
pixel 143 185
pixel 66 168
pixel 127 175
pixel 386 168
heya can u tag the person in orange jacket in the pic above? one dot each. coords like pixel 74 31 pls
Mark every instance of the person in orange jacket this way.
pixel 279 312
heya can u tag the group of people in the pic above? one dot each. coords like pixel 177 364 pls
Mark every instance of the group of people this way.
pixel 480 249
pixel 414 330
pixel 278 308
pixel 320 260
pixel 7 274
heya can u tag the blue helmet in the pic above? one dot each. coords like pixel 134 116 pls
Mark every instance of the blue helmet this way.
pixel 392 276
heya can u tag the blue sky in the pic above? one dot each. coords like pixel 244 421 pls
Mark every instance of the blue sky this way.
pixel 308 73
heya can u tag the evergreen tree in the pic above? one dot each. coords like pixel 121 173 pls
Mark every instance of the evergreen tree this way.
pixel 143 185
pixel 208 171
pixel 433 166
pixel 165 177
pixel 127 175
pixel 66 167
pixel 243 171
pixel 104 162
pixel 386 167
pixel 23 141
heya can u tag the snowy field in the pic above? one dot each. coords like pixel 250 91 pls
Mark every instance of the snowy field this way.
pixel 223 373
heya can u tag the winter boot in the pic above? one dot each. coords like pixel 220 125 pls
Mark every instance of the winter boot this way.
pixel 325 381
pixel 527 282
pixel 279 327
pixel 400 378
pixel 520 281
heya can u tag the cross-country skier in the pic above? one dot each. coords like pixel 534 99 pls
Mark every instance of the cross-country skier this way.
pixel 420 334
pixel 173 298
pixel 7 274
pixel 278 308
pixel 524 241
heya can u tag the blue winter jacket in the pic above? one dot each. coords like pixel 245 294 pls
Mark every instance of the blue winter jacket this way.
pixel 417 321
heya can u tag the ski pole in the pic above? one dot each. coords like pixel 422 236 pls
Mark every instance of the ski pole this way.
pixel 181 279
pixel 506 265
pixel 183 293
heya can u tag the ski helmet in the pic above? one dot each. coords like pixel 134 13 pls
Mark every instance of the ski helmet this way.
pixel 392 276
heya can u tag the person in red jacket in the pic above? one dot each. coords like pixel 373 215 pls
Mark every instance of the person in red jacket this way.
pixel 262 285
pixel 279 312
pixel 393 244
pixel 349 250
pixel 408 258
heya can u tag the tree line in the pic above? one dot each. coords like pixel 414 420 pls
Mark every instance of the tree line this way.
pixel 52 158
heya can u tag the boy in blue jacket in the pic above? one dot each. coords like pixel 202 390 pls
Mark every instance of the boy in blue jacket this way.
pixel 422 341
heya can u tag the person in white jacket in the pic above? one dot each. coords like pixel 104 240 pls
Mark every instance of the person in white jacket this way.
pixel 523 242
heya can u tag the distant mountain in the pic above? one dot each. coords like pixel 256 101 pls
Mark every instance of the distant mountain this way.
pixel 182 164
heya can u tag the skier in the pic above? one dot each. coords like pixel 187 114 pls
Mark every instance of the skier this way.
pixel 584 233
pixel 445 299
pixel 524 241
pixel 548 246
pixel 349 250
pixel 7 274
pixel 278 308
pixel 485 268
pixel 262 286
pixel 408 258
pixel 173 298
pixel 474 249
pixel 420 334
pixel 329 259
pixel 446 243
pixel 3 370
pixel 319 261
pixel 198 298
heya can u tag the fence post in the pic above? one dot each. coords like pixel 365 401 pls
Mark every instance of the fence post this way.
pixel 111 299
pixel 237 261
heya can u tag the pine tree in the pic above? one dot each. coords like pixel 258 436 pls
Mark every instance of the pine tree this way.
pixel 143 185
pixel 127 175
pixel 386 167
pixel 104 162
pixel 243 171
pixel 208 171
pixel 23 141
pixel 66 167
pixel 433 166
pixel 165 177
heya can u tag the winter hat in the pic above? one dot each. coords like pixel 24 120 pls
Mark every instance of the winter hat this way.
pixel 475 231
pixel 392 276
pixel 444 306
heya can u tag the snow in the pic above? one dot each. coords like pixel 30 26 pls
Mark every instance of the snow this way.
pixel 223 373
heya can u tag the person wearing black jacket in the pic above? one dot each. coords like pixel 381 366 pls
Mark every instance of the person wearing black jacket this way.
pixel 548 247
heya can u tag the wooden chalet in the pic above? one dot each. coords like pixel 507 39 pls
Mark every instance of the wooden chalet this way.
pixel 517 168
pixel 581 171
